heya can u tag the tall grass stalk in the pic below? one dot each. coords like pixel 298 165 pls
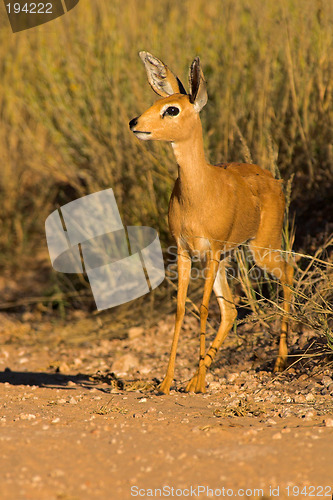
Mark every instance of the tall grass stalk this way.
pixel 68 89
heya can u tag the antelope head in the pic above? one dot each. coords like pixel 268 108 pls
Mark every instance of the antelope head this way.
pixel 173 117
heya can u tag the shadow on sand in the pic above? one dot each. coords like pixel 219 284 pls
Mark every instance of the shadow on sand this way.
pixel 42 379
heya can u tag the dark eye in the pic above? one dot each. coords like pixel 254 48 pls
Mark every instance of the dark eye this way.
pixel 171 111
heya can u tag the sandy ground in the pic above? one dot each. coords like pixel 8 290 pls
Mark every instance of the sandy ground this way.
pixel 69 430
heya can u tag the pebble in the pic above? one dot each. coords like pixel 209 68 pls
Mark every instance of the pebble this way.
pixel 251 432
pixel 278 435
pixel 23 360
pixel 310 415
pixel 326 381
pixel 328 422
pixel 214 386
pixel 286 413
pixel 135 331
pixel 125 363
pixel 144 369
pixel 232 377
pixel 57 473
pixel 27 416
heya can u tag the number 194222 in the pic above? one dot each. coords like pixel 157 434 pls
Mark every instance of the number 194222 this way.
pixel 29 8
pixel 309 491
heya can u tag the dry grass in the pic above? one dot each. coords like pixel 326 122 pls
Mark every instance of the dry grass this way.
pixel 69 88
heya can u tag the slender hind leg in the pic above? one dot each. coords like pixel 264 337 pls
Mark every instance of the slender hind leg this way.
pixel 273 262
pixel 228 316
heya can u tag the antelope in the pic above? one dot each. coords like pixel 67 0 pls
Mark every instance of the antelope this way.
pixel 213 209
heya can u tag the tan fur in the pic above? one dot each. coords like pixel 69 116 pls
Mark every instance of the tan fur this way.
pixel 212 210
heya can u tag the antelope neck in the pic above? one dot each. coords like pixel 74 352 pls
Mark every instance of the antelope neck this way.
pixel 193 171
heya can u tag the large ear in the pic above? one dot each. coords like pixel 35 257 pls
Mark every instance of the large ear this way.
pixel 198 92
pixel 161 79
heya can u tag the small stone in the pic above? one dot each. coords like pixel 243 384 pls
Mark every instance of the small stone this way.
pixel 310 398
pixel 145 369
pixel 328 422
pixel 64 368
pixel 278 435
pixel 125 363
pixel 135 331
pixel 72 401
pixel 326 381
pixel 251 432
pixel 309 415
pixel 232 377
pixel 57 473
pixel 27 416
pixel 215 386
pixel 286 413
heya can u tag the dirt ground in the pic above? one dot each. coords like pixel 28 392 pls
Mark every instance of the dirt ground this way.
pixel 70 430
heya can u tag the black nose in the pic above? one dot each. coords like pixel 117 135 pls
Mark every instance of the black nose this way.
pixel 133 122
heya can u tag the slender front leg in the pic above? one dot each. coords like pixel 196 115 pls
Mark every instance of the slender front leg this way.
pixel 212 266
pixel 184 270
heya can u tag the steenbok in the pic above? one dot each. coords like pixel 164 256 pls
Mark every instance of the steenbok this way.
pixel 213 209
